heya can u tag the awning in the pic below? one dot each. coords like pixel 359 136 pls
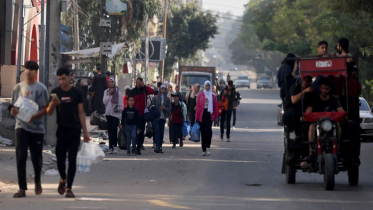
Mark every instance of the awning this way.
pixel 94 52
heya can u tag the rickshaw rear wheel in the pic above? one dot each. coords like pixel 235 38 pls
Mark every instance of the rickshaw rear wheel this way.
pixel 353 175
pixel 290 171
pixel 329 172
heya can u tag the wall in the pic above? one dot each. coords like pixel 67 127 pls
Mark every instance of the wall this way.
pixel 8 79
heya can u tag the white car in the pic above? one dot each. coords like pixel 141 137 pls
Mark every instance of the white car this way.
pixel 366 120
pixel 242 81
pixel 264 82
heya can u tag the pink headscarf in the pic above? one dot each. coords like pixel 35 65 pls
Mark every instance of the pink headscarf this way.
pixel 194 92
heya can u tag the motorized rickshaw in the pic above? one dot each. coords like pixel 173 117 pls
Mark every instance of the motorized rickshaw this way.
pixel 330 154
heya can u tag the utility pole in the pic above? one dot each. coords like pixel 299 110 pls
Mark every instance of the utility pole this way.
pixel 41 46
pixel 164 33
pixel 103 36
pixel 20 36
pixel 53 59
pixel 146 47
pixel 76 29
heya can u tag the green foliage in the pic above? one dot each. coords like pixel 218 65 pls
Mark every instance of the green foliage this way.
pixel 128 29
pixel 188 30
pixel 298 25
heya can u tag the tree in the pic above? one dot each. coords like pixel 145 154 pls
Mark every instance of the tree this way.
pixel 188 31
pixel 132 26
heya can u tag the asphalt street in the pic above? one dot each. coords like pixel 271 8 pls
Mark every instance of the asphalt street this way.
pixel 242 174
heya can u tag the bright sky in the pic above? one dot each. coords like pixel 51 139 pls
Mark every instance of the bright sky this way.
pixel 234 6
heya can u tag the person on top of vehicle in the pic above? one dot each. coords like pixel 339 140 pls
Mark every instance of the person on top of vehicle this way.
pixel 322 49
pixel 323 103
pixel 298 91
pixel 287 68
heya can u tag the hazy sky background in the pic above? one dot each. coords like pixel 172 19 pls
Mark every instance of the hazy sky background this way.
pixel 234 6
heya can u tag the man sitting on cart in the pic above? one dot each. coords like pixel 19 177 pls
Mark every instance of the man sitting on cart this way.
pixel 324 102
pixel 293 104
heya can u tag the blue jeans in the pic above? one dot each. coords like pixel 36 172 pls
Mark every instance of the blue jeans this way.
pixel 158 126
pixel 131 132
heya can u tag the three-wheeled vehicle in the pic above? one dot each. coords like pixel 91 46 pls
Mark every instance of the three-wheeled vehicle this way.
pixel 330 154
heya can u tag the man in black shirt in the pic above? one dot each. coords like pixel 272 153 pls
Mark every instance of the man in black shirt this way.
pixel 68 102
pixel 323 103
pixel 99 84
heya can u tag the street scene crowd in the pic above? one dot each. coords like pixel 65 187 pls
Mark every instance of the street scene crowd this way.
pixel 157 106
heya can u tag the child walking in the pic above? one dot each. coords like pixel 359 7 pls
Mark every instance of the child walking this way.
pixel 177 116
pixel 130 121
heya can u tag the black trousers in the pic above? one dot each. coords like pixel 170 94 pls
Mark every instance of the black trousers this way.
pixel 234 117
pixel 68 141
pixel 27 140
pixel 112 125
pixel 192 117
pixel 225 116
pixel 206 130
pixel 141 136
pixel 177 132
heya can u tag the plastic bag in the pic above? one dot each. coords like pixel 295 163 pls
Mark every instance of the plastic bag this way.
pixel 186 128
pixel 27 108
pixel 89 153
pixel 196 133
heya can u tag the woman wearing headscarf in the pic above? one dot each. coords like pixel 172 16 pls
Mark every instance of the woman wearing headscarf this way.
pixel 170 89
pixel 162 102
pixel 206 113
pixel 192 103
pixel 113 112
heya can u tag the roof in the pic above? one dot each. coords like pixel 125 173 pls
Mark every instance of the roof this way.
pixel 94 52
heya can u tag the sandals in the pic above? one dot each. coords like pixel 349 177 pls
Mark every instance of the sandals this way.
pixel 62 187
pixel 69 194
pixel 20 194
pixel 38 189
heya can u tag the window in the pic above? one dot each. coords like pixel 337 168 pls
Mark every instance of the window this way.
pixel 364 105
pixel 193 79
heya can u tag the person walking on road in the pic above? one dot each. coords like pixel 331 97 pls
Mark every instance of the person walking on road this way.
pixel 177 116
pixel 99 86
pixel 206 113
pixel 113 112
pixel 235 106
pixel 192 103
pixel 227 113
pixel 162 102
pixel 216 92
pixel 30 135
pixel 71 119
pixel 130 120
pixel 140 93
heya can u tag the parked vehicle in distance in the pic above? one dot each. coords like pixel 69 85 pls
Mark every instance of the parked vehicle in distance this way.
pixel 366 120
pixel 242 81
pixel 264 82
pixel 190 75
pixel 233 68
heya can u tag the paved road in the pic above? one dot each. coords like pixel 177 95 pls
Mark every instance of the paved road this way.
pixel 242 174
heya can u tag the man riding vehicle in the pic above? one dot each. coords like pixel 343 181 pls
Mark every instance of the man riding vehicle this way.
pixel 323 103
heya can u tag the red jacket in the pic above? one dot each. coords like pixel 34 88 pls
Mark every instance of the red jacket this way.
pixel 201 106
pixel 140 95
pixel 125 102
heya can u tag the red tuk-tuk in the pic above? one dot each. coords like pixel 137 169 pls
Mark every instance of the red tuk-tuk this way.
pixel 330 154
